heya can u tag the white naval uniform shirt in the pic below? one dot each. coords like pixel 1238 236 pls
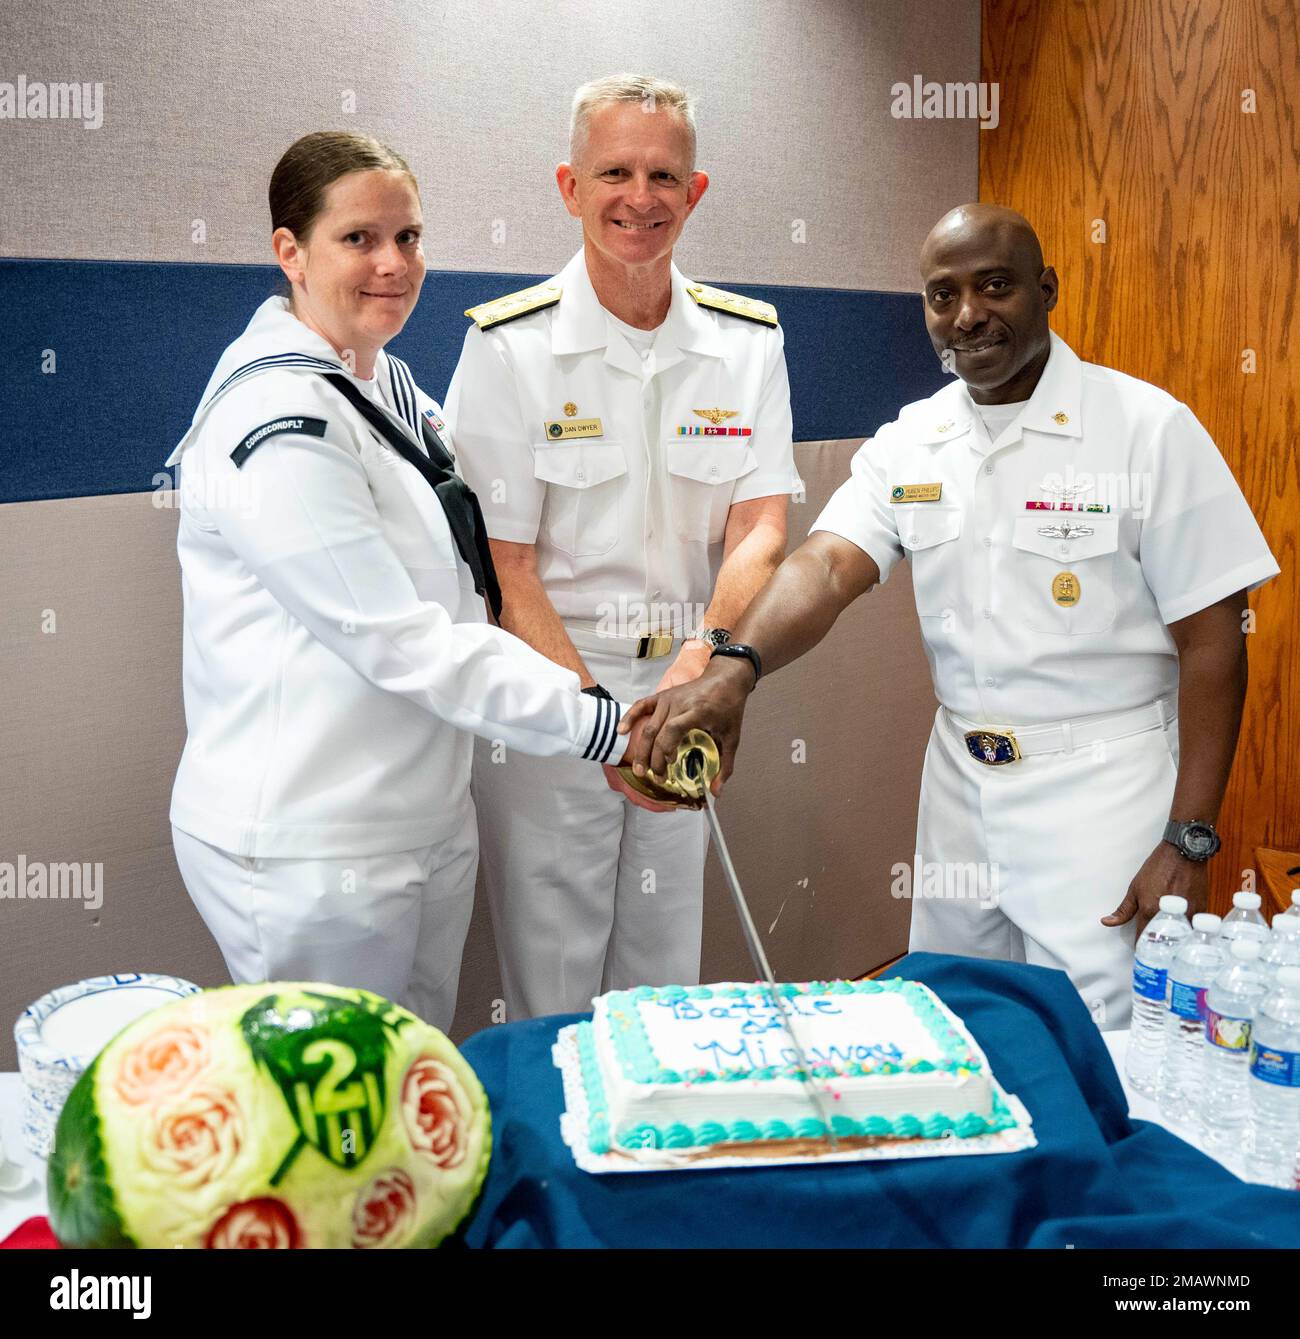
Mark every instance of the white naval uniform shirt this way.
pixel 634 518
pixel 1179 535
pixel 335 651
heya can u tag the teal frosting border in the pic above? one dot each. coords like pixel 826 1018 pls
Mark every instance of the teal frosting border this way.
pixel 678 1135
pixel 636 1056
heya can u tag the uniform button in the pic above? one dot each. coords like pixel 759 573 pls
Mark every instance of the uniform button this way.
pixel 988 541
pixel 713 469
pixel 911 539
pixel 581 475
pixel 988 469
pixel 990 683
pixel 1065 550
pixel 988 613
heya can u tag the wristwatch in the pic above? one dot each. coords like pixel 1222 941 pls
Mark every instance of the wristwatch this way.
pixel 741 652
pixel 1194 840
pixel 711 637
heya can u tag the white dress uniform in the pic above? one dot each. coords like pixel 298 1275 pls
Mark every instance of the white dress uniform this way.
pixel 620 464
pixel 336 659
pixel 1046 565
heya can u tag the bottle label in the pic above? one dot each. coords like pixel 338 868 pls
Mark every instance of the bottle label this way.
pixel 1273 1066
pixel 1149 982
pixel 1187 1001
pixel 1226 1032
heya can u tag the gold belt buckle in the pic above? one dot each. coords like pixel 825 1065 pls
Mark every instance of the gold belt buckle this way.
pixel 654 645
pixel 992 747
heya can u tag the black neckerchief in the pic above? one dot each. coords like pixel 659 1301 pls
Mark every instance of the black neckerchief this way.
pixel 464 515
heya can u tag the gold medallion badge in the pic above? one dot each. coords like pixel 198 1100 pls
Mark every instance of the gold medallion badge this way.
pixel 1065 589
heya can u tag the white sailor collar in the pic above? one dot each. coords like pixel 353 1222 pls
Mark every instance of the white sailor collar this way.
pixel 1054 407
pixel 581 325
pixel 276 340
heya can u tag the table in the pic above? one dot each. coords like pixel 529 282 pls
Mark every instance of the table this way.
pixel 1098 1177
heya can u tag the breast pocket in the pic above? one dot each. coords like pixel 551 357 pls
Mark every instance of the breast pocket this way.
pixel 1064 585
pixel 585 482
pixel 929 534
pixel 702 478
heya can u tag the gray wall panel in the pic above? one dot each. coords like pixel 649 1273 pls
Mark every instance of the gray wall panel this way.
pixel 200 100
pixel 93 727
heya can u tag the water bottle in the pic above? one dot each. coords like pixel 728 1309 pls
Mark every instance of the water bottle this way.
pixel 1293 909
pixel 1282 948
pixel 1275 1085
pixel 1197 963
pixel 1161 939
pixel 1231 1003
pixel 1244 919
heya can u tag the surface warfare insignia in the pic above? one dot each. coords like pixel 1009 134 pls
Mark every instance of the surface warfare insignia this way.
pixel 717 416
pixel 310 427
pixel 329 1067
pixel 916 493
pixel 1065 530
pixel 513 305
pixel 718 299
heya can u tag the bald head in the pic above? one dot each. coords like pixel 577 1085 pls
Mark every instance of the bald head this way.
pixel 986 225
pixel 987 295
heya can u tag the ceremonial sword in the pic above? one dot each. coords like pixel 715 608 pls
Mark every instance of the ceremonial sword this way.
pixel 696 765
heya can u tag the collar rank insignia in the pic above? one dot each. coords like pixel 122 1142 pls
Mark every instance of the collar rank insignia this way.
pixel 513 305
pixel 718 299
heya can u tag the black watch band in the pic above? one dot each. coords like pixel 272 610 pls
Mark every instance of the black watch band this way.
pixel 598 690
pixel 743 652
pixel 1193 840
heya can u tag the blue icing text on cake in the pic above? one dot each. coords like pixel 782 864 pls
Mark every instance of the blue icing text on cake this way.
pixel 679 1068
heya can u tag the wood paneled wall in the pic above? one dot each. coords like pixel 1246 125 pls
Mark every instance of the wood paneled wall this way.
pixel 1135 114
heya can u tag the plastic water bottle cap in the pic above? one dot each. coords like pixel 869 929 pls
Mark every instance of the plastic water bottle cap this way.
pixel 1250 901
pixel 1246 950
pixel 1173 905
pixel 1295 897
pixel 1205 921
pixel 1289 977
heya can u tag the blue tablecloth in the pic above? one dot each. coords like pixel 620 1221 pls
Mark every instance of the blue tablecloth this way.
pixel 1096 1178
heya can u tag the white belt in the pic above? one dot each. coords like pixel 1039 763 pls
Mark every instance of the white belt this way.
pixel 650 647
pixel 995 746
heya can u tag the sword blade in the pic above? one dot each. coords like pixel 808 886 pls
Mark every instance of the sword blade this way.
pixel 764 968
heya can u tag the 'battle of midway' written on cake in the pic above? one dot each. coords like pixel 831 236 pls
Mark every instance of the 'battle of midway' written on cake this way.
pixel 705 1070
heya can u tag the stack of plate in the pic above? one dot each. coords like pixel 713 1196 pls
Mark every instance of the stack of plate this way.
pixel 64 1031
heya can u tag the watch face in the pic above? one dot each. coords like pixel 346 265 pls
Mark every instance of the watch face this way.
pixel 1199 841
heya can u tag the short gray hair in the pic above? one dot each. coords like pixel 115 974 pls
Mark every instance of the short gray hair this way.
pixel 653 95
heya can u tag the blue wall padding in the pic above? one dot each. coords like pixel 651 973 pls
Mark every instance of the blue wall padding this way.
pixel 135 343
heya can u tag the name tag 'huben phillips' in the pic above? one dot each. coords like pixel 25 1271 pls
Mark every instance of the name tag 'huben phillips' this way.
pixel 568 429
pixel 916 493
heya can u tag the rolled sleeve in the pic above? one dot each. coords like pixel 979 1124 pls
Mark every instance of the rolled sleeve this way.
pixel 493 448
pixel 772 440
pixel 1200 541
pixel 860 510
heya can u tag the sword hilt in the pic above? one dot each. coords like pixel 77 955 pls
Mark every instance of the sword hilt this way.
pixel 689 773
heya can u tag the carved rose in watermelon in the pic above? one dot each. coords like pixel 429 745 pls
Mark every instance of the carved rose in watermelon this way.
pixel 271 1117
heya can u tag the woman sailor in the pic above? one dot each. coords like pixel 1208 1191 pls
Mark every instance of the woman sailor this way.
pixel 337 649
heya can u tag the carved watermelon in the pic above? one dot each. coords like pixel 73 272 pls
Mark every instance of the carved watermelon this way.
pixel 275 1115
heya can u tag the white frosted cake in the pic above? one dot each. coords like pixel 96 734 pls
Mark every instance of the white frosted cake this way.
pixel 692 1067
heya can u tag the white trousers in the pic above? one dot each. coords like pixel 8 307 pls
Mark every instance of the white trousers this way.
pixel 588 893
pixel 1021 861
pixel 393 923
